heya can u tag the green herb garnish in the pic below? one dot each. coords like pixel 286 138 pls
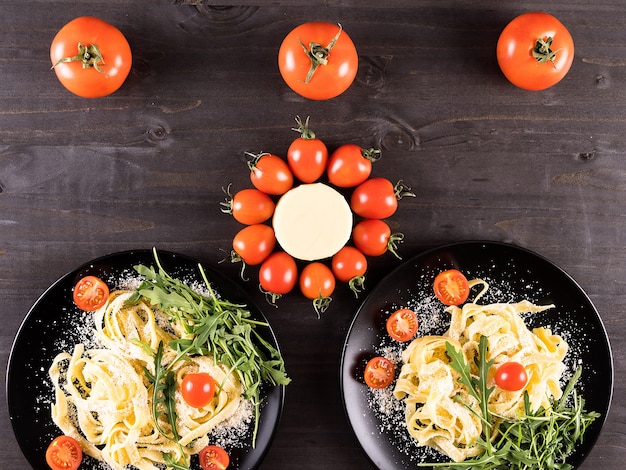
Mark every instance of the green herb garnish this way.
pixel 213 326
pixel 537 440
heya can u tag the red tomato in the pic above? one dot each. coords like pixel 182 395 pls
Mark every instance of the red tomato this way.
pixel 91 57
pixel 254 243
pixel 198 389
pixel 249 206
pixel 402 324
pixel 535 51
pixel 64 453
pixel 377 198
pixel 373 237
pixel 90 293
pixel 318 60
pixel 349 265
pixel 278 275
pixel 511 376
pixel 317 283
pixel 214 458
pixel 451 287
pixel 350 165
pixel 379 372
pixel 307 155
pixel 270 173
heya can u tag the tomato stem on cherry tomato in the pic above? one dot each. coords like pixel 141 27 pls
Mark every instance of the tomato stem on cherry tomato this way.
pixel 88 56
pixel 402 190
pixel 303 128
pixel 318 54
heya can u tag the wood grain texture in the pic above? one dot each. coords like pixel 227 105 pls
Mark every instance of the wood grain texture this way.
pixel 147 166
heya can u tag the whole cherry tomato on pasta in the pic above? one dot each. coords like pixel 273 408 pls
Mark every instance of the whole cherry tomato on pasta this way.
pixel 535 51
pixel 511 376
pixel 90 57
pixel 318 60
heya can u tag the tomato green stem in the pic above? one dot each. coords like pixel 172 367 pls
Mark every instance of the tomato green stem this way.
pixel 303 128
pixel 318 54
pixel 392 244
pixel 402 190
pixel 89 56
pixel 372 154
pixel 542 51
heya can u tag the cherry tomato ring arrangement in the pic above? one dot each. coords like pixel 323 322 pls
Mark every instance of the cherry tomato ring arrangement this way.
pixel 298 221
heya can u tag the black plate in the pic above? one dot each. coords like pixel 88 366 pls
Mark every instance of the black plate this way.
pixel 51 326
pixel 513 274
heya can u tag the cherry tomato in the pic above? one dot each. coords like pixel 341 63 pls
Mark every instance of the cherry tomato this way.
pixel 307 155
pixel 90 293
pixel 254 243
pixel 317 283
pixel 451 287
pixel 402 324
pixel 249 206
pixel 535 51
pixel 198 389
pixel 377 198
pixel 278 275
pixel 350 165
pixel 64 453
pixel 91 57
pixel 350 265
pixel 214 458
pixel 379 372
pixel 373 237
pixel 511 376
pixel 270 173
pixel 318 60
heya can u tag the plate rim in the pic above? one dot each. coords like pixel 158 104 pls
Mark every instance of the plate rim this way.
pixel 278 390
pixel 476 243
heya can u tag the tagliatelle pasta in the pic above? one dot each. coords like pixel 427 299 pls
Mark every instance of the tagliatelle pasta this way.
pixel 429 387
pixel 103 399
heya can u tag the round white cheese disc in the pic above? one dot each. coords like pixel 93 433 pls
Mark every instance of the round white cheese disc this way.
pixel 312 221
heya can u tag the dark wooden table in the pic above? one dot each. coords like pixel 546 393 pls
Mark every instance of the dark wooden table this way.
pixel 145 167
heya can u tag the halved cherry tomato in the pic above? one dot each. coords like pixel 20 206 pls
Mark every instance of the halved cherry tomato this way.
pixel 373 237
pixel 198 389
pixel 451 287
pixel 318 60
pixel 91 57
pixel 64 453
pixel 377 198
pixel 402 324
pixel 350 165
pixel 318 284
pixel 214 458
pixel 307 155
pixel 270 173
pixel 379 372
pixel 249 206
pixel 350 265
pixel 90 293
pixel 278 275
pixel 535 51
pixel 254 243
pixel 511 376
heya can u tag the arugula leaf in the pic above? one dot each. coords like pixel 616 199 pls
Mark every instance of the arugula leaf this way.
pixel 213 326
